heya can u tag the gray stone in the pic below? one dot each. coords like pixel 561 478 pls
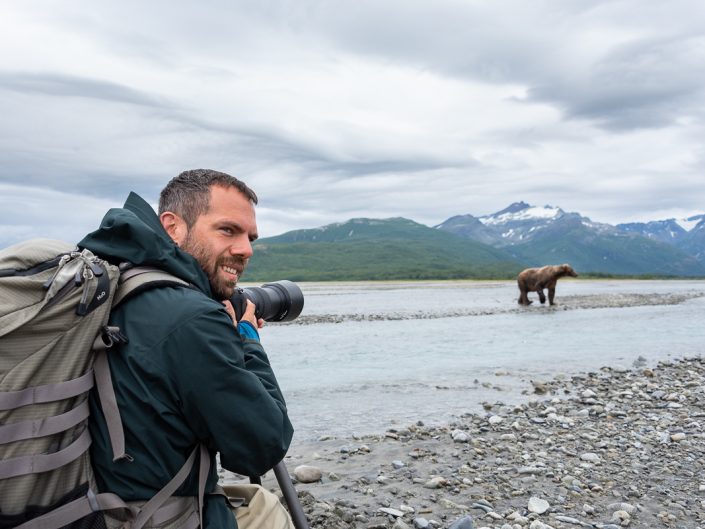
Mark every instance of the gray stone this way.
pixel 463 523
pixel 390 511
pixel 538 505
pixel 307 474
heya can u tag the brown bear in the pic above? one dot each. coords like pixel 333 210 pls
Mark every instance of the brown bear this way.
pixel 536 279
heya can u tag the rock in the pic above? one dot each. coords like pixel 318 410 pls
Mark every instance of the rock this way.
pixel 435 483
pixel 463 523
pixel 590 457
pixel 628 507
pixel 570 520
pixel 459 436
pixel 538 505
pixel 307 474
pixel 392 512
pixel 621 517
pixel 538 524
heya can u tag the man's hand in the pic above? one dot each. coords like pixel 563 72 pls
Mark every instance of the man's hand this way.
pixel 249 315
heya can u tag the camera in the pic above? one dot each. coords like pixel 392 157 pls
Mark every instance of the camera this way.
pixel 277 301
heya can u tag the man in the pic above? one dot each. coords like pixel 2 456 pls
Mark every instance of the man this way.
pixel 189 374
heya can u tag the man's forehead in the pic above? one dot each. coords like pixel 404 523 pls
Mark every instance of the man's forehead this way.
pixel 229 206
pixel 223 199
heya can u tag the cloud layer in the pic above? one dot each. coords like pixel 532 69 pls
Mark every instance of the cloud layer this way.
pixel 333 110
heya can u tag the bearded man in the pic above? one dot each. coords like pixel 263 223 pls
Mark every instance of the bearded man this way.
pixel 190 375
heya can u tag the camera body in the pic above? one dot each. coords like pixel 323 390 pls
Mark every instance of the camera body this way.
pixel 278 301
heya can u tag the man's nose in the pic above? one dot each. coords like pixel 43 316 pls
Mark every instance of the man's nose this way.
pixel 242 248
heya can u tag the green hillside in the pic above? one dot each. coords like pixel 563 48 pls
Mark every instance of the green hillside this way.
pixel 376 249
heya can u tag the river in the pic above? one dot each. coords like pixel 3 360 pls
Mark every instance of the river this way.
pixel 364 357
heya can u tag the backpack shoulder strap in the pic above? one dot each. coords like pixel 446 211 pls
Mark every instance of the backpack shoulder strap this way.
pixel 131 283
pixel 140 278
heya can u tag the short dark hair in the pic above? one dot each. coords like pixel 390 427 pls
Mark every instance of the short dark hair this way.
pixel 188 195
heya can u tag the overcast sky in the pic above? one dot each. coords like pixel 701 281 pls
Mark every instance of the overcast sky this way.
pixel 363 108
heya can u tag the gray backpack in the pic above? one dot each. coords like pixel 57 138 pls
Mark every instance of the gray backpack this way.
pixel 55 302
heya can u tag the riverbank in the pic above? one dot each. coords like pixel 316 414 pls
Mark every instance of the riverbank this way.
pixel 613 448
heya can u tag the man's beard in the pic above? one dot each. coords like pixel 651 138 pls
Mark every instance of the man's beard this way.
pixel 221 287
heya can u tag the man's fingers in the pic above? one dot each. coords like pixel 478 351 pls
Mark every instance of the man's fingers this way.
pixel 230 310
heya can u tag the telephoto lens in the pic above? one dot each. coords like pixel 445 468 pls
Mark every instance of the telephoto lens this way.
pixel 277 301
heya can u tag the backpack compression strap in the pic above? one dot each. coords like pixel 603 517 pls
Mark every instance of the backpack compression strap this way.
pixel 154 509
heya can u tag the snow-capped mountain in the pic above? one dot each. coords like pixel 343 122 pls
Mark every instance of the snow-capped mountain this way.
pixel 519 223
pixel 549 235
pixel 671 231
pixel 686 234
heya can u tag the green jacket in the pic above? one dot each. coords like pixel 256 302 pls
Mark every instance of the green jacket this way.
pixel 185 377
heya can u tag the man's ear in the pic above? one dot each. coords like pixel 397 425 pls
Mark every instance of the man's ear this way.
pixel 175 226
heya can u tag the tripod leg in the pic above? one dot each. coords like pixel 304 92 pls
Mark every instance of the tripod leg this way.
pixel 289 492
pixel 291 497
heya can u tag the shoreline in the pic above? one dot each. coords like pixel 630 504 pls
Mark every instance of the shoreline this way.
pixel 567 302
pixel 607 449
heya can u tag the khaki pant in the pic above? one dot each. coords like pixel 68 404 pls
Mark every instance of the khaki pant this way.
pixel 261 510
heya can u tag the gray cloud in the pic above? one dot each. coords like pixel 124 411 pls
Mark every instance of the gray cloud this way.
pixel 58 85
pixel 650 83
pixel 372 108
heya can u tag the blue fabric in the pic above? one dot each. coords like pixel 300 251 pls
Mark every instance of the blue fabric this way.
pixel 247 330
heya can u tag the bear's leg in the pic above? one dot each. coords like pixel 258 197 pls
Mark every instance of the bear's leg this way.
pixel 523 298
pixel 551 295
pixel 542 296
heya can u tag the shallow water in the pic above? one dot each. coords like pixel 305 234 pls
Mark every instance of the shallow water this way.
pixel 435 350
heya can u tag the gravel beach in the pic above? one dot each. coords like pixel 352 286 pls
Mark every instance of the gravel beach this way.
pixel 608 449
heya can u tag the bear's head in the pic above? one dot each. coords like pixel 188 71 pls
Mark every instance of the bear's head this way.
pixel 568 270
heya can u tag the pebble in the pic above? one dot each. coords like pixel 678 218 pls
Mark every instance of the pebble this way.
pixel 591 457
pixel 435 482
pixel 307 474
pixel 463 523
pixel 538 505
pixel 459 436
pixel 392 512
pixel 627 507
pixel 538 524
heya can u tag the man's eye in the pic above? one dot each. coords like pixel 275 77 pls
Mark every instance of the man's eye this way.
pixel 227 231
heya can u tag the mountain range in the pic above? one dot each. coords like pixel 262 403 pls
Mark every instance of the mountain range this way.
pixel 491 246
pixel 543 235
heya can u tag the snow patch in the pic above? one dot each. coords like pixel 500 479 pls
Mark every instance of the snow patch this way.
pixel 688 224
pixel 533 212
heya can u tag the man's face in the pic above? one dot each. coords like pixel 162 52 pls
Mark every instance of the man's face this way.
pixel 221 239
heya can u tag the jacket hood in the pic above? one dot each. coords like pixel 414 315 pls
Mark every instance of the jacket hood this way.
pixel 134 233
